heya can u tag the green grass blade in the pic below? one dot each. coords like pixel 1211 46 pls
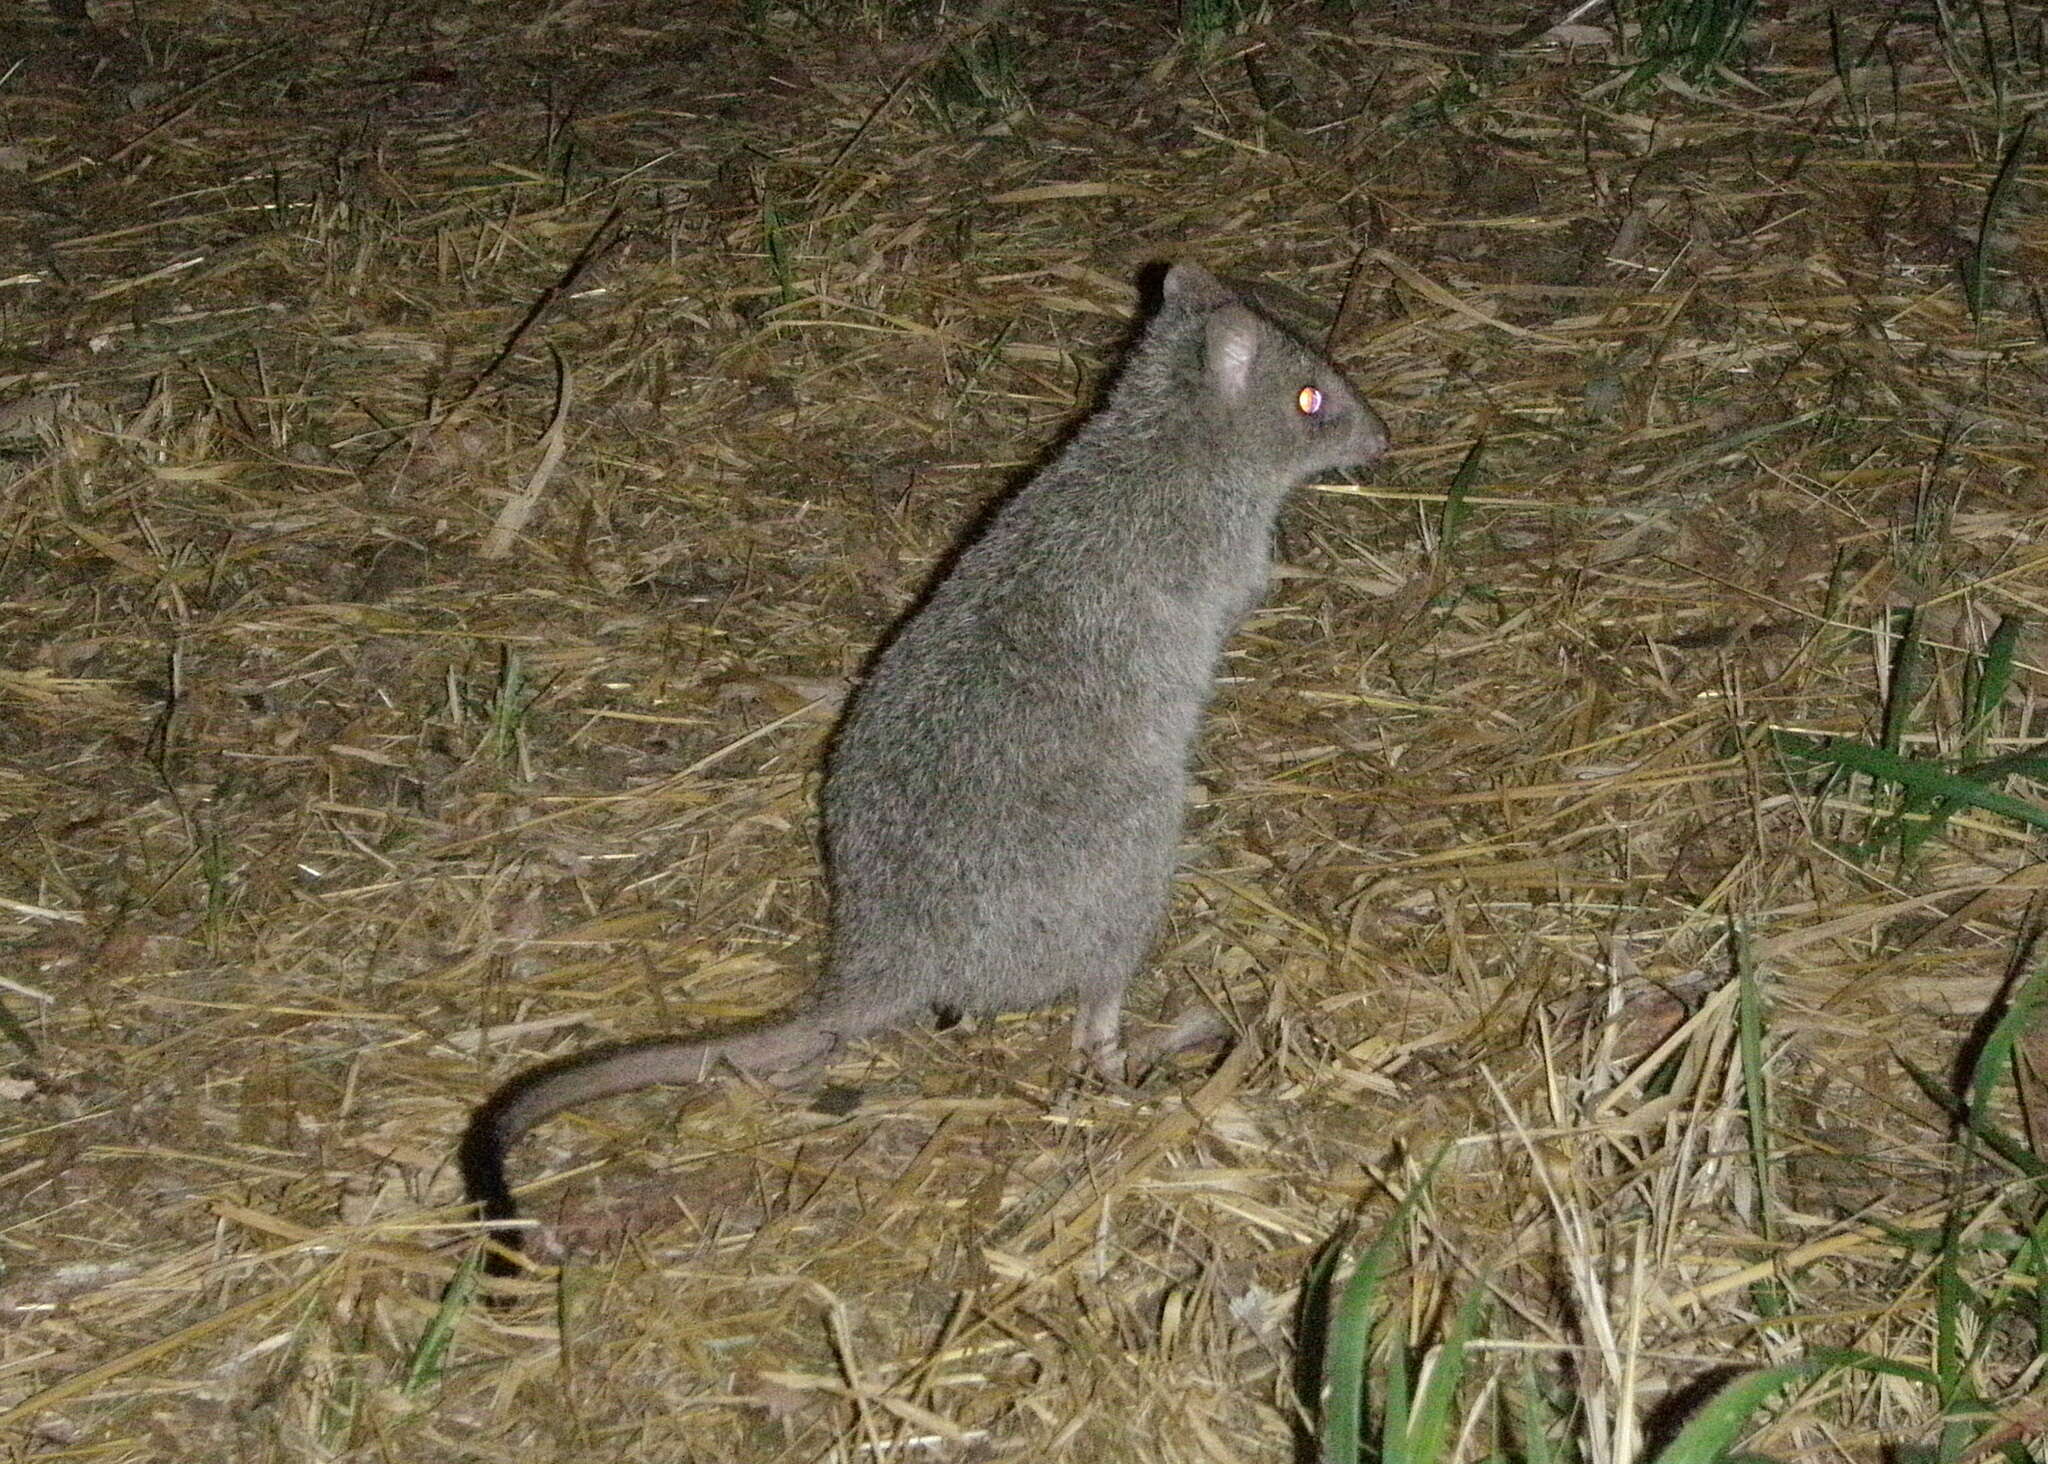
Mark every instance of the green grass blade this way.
pixel 1845 77
pixel 1533 1411
pixel 1323 1313
pixel 1912 773
pixel 509 705
pixel 1430 1424
pixel 1349 1339
pixel 1399 1400
pixel 1994 1058
pixel 1350 1335
pixel 2025 762
pixel 1769 1295
pixel 1455 505
pixel 1918 820
pixel 1908 678
pixel 1951 1299
pixel 1977 271
pixel 1855 1359
pixel 1991 677
pixel 1710 1433
pixel 2030 1272
pixel 1992 1064
pixel 2004 1145
pixel 428 1360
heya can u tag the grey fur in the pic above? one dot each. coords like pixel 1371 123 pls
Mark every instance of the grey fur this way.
pixel 1004 798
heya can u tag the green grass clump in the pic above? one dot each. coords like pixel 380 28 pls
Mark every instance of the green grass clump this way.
pixel 1383 1402
pixel 1415 1405
pixel 976 83
pixel 1202 20
pixel 1929 790
pixel 1693 38
pixel 1415 1413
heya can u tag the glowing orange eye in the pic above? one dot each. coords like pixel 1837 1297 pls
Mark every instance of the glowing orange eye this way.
pixel 1310 400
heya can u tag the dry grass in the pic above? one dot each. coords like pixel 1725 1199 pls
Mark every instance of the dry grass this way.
pixel 323 815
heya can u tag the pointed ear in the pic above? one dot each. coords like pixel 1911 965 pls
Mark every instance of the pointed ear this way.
pixel 1189 284
pixel 1233 338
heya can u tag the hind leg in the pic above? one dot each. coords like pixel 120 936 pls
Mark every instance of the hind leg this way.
pixel 1098 1028
pixel 1124 924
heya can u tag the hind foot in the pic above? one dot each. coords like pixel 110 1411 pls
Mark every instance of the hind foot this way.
pixel 1195 1025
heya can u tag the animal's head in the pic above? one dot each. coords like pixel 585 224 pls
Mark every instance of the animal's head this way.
pixel 1281 406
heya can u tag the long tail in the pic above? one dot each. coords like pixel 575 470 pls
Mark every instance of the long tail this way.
pixel 604 1072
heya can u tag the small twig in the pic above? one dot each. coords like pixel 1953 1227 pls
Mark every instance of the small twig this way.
pixel 545 301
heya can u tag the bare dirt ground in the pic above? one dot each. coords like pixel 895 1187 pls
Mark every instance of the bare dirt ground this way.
pixel 452 458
